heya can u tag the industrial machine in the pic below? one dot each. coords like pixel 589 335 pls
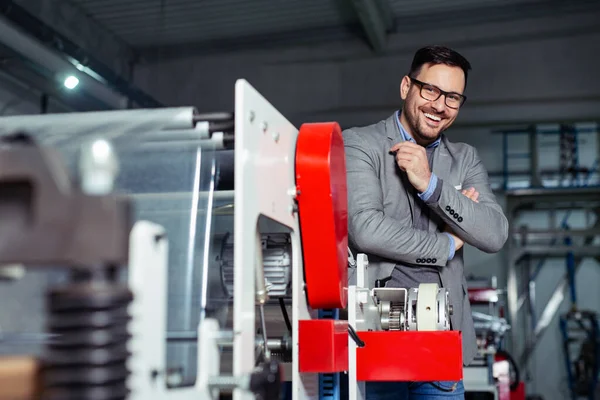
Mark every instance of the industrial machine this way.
pixel 403 334
pixel 195 255
pixel 493 374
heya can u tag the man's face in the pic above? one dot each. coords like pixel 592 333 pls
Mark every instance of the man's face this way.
pixel 427 119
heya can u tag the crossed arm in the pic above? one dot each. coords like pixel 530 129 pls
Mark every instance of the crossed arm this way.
pixel 473 215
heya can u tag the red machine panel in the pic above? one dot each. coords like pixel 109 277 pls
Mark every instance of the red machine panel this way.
pixel 323 211
pixel 410 356
pixel 519 392
pixel 323 345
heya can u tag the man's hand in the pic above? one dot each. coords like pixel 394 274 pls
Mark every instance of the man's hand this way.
pixel 412 159
pixel 471 194
pixel 458 242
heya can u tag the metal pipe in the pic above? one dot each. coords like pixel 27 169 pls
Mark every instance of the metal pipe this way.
pixel 275 344
pixel 534 158
pixel 108 123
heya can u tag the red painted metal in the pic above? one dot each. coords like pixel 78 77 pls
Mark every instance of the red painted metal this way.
pixel 323 345
pixel 483 295
pixel 519 392
pixel 323 212
pixel 410 356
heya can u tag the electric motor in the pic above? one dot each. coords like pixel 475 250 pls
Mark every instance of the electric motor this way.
pixel 277 264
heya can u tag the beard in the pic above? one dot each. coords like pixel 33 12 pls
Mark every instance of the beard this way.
pixel 424 133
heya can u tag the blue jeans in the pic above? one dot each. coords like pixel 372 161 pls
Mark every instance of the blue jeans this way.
pixel 415 390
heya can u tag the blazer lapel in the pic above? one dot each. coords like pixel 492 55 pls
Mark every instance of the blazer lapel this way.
pixel 442 161
pixel 394 136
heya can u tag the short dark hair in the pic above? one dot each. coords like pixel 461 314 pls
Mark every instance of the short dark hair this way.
pixel 438 55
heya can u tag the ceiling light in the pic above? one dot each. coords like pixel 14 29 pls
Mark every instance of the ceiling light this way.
pixel 71 82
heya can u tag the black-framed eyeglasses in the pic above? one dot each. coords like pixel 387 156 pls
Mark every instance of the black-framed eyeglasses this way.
pixel 432 93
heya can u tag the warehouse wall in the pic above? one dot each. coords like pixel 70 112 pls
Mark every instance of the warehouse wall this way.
pixel 524 72
pixel 541 69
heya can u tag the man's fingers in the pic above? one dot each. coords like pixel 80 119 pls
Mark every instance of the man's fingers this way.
pixel 407 150
pixel 401 155
pixel 410 153
pixel 471 193
pixel 403 163
pixel 406 145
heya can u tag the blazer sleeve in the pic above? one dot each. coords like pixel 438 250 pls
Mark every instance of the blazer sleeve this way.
pixel 482 225
pixel 371 231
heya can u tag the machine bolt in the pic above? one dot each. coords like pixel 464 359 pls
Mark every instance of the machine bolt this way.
pixel 276 136
pixel 264 126
pixel 251 116
pixel 174 377
pixel 154 375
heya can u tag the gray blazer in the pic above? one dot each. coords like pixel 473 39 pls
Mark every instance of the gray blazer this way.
pixel 380 213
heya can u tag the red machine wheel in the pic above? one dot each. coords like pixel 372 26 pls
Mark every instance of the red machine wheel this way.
pixel 323 212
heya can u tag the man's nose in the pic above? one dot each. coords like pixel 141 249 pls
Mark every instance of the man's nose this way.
pixel 440 104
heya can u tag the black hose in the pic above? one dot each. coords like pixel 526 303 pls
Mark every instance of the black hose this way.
pixel 355 337
pixel 285 315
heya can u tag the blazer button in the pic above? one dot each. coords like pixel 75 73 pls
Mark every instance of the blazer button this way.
pixel 460 219
pixel 419 260
pixel 434 260
pixel 429 261
pixel 452 212
pixel 448 208
pixel 455 215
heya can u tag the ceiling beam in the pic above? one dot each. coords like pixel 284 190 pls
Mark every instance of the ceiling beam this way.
pixel 376 19
pixel 53 64
pixel 41 44
pixel 68 18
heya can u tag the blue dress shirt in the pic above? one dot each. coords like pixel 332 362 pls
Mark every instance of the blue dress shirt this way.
pixel 433 181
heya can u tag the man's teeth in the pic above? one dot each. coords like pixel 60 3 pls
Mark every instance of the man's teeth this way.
pixel 433 117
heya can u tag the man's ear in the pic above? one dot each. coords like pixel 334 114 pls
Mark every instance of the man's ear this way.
pixel 404 87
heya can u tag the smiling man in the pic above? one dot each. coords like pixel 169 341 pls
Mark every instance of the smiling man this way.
pixel 415 198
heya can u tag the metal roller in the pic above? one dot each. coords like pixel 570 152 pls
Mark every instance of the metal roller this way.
pixel 427 308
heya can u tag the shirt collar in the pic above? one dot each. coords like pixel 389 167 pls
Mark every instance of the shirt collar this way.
pixel 409 138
